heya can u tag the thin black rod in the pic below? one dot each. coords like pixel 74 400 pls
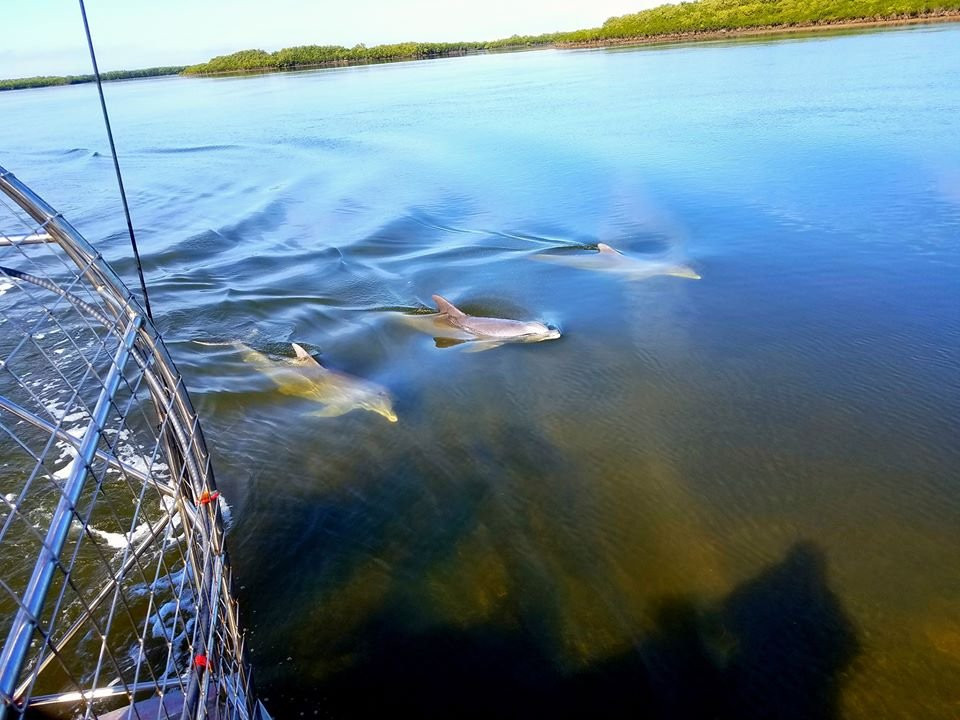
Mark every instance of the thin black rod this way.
pixel 116 162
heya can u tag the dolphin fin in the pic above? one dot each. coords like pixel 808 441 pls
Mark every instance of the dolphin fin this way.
pixel 606 249
pixel 332 411
pixel 442 342
pixel 475 346
pixel 447 307
pixel 231 343
pixel 302 354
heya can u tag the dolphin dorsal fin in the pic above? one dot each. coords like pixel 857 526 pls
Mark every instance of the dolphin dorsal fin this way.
pixel 302 354
pixel 447 307
pixel 606 249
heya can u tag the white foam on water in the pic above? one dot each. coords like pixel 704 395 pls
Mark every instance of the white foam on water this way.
pixel 5 285
pixel 121 540
pixel 64 472
pixel 54 407
pixel 169 623
pixel 226 511
pixel 137 459
pixel 136 654
pixel 67 451
pixel 61 411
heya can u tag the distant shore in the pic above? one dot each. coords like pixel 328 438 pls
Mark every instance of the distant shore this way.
pixel 659 39
pixel 315 57
pixel 670 23
pixel 811 28
pixel 40 81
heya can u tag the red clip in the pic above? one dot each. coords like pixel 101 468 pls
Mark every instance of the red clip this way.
pixel 207 497
pixel 201 662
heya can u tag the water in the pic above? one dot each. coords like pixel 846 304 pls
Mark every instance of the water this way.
pixel 732 497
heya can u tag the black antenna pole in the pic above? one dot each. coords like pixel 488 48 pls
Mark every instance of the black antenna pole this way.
pixel 116 162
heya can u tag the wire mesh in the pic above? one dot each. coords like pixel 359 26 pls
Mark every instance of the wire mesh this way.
pixel 115 586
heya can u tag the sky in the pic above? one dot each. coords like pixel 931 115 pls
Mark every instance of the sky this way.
pixel 45 37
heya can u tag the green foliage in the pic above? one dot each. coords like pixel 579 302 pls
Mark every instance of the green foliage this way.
pixel 684 18
pixel 32 82
pixel 314 55
pixel 319 55
pixel 713 15
pixel 47 80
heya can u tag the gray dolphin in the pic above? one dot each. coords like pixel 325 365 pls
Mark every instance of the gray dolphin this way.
pixel 608 259
pixel 339 392
pixel 483 333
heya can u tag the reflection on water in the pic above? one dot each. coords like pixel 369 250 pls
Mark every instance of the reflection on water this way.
pixel 731 497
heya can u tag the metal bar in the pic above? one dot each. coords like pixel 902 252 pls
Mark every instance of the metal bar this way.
pixel 66 437
pixel 227 592
pixel 18 640
pixel 213 659
pixel 32 239
pixel 97 272
pixel 24 691
pixel 188 459
pixel 198 454
pixel 103 692
pixel 46 284
pixel 118 577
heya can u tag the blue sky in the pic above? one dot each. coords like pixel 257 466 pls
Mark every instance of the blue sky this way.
pixel 46 36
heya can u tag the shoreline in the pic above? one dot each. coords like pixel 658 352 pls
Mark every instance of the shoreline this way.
pixel 772 31
pixel 331 64
pixel 664 39
pixel 764 31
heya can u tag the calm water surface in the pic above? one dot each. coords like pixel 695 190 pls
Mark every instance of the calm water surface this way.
pixel 733 497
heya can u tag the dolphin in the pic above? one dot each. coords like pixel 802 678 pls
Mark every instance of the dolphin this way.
pixel 338 392
pixel 451 326
pixel 608 259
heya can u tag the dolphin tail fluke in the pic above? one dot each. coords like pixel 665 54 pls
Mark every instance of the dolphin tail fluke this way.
pixel 447 307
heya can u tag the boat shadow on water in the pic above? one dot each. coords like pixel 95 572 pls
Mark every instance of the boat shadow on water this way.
pixel 776 647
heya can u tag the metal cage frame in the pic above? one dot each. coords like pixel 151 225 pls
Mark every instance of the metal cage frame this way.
pixel 122 383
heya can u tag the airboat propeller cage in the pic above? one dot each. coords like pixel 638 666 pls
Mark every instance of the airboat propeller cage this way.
pixel 115 586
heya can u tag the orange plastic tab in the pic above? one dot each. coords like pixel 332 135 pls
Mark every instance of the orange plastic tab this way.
pixel 207 497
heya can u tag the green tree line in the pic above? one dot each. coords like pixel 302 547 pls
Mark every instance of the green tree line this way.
pixel 713 15
pixel 47 80
pixel 666 20
pixel 313 55
pixel 682 18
